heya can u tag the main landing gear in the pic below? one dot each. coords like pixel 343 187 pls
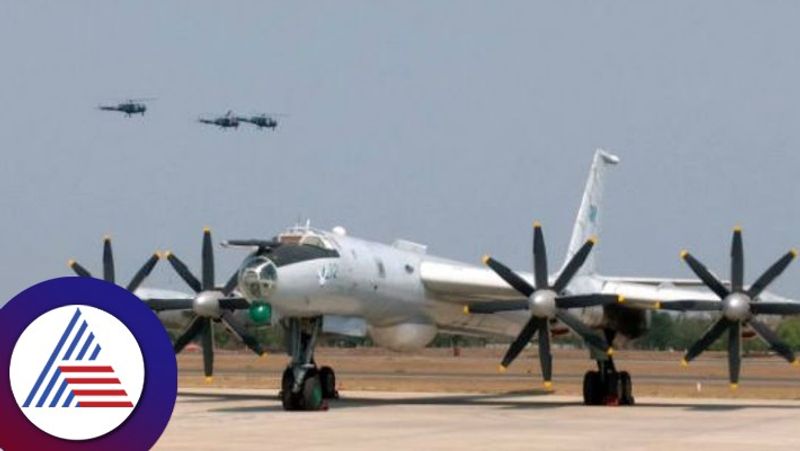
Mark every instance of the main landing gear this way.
pixel 607 386
pixel 303 385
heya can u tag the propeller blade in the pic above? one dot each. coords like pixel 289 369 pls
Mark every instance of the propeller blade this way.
pixel 108 260
pixel 191 331
pixel 545 356
pixel 775 308
pixel 587 300
pixel 495 306
pixel 79 270
pixel 708 338
pixel 583 331
pixel 519 343
pixel 143 272
pixel 695 305
pixel 539 257
pixel 208 348
pixel 772 339
pixel 702 272
pixel 573 266
pixel 231 284
pixel 737 261
pixel 169 304
pixel 184 272
pixel 234 304
pixel 241 333
pixel 771 274
pixel 208 260
pixel 734 352
pixel 517 282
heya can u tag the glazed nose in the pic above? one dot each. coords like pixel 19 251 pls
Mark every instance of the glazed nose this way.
pixel 258 277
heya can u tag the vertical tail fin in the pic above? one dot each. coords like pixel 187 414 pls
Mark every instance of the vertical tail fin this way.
pixel 587 224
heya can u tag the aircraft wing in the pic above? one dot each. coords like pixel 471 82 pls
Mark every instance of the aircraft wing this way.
pixel 457 282
pixel 654 292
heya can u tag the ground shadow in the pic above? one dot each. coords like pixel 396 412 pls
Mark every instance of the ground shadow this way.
pixel 508 400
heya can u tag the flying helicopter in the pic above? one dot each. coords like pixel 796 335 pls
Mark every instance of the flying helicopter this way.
pixel 129 107
pixel 262 120
pixel 227 121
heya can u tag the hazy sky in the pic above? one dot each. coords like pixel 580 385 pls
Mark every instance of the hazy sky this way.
pixel 450 123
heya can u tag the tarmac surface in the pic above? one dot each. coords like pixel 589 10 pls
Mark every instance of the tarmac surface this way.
pixel 246 419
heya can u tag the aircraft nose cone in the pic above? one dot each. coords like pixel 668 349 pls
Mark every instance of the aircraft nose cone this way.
pixel 736 307
pixel 257 278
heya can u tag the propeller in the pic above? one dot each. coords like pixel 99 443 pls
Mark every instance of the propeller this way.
pixel 739 307
pixel 211 304
pixel 546 302
pixel 108 267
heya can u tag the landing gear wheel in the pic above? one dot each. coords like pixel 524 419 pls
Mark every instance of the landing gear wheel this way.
pixel 328 380
pixel 612 390
pixel 626 389
pixel 312 393
pixel 289 400
pixel 592 389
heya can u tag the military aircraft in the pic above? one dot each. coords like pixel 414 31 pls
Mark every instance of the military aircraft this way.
pixel 317 281
pixel 261 121
pixel 227 121
pixel 129 107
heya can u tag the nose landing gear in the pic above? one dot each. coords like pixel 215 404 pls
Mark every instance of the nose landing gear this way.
pixel 303 385
pixel 607 387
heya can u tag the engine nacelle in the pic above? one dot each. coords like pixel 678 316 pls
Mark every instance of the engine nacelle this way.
pixel 403 336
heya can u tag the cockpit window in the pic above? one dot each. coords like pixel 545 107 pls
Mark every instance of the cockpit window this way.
pixel 286 255
pixel 305 237
pixel 312 240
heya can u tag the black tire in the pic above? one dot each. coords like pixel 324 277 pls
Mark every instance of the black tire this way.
pixel 328 380
pixel 289 400
pixel 626 389
pixel 592 389
pixel 312 393
pixel 613 391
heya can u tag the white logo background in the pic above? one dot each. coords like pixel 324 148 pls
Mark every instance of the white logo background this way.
pixel 34 348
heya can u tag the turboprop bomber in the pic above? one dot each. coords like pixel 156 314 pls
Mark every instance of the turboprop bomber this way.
pixel 314 281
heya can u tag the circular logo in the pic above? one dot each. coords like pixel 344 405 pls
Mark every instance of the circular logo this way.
pixel 89 367
pixel 77 372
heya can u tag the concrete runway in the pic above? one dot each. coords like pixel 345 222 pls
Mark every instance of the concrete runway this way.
pixel 254 419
